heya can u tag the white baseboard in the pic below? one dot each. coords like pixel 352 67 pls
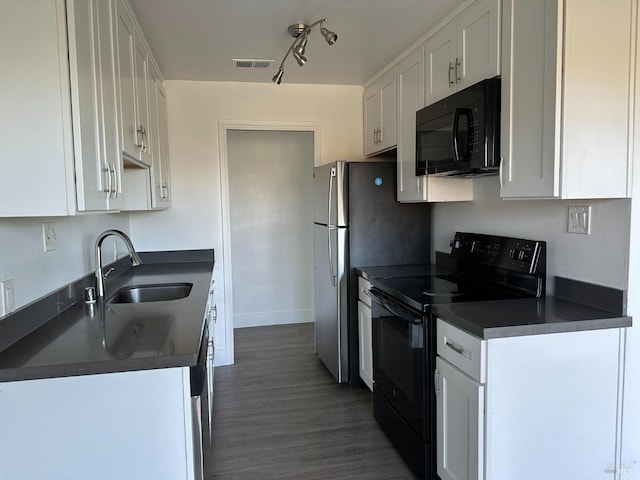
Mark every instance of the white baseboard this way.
pixel 262 319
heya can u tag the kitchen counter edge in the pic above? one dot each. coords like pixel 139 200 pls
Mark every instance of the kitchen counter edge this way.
pixel 39 314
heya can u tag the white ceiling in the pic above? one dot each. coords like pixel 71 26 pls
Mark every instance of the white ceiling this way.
pixel 197 39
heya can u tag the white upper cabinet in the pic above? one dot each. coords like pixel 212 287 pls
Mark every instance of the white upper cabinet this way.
pixel 380 114
pixel 464 51
pixel 132 80
pixel 98 164
pixel 160 185
pixel 59 123
pixel 410 82
pixel 35 111
pixel 566 96
pixel 62 125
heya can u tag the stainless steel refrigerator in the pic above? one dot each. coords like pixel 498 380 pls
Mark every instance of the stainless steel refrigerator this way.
pixel 357 223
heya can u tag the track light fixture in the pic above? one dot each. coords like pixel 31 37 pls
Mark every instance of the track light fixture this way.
pixel 297 48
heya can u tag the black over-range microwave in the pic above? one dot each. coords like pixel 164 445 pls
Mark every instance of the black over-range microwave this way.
pixel 460 135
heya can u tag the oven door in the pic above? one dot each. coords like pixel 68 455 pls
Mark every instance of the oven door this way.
pixel 400 359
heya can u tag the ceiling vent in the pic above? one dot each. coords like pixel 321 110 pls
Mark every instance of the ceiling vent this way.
pixel 251 63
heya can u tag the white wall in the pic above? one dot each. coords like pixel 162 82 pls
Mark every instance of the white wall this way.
pixel 631 412
pixel 194 109
pixel 36 273
pixel 271 217
pixel 599 258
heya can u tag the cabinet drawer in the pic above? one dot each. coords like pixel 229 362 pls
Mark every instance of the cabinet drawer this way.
pixel 363 287
pixel 461 349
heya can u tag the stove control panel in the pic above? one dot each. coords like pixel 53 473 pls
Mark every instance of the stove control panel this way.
pixel 514 254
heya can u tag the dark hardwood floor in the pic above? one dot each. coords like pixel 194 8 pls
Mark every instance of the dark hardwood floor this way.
pixel 278 413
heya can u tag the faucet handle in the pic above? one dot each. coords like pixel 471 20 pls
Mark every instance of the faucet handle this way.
pixel 108 272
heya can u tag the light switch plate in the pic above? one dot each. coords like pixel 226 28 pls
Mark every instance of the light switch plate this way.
pixel 8 296
pixel 49 236
pixel 579 220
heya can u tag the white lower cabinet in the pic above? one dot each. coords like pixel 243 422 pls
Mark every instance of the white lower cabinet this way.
pixel 529 407
pixel 460 431
pixel 129 426
pixel 365 334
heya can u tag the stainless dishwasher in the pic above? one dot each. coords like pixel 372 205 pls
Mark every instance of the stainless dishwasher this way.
pixel 199 404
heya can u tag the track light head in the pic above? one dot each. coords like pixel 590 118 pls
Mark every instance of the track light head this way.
pixel 328 35
pixel 277 78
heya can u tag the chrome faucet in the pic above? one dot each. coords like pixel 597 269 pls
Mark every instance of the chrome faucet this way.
pixel 135 258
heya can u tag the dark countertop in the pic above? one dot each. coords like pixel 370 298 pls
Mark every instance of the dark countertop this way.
pixel 527 316
pixel 118 337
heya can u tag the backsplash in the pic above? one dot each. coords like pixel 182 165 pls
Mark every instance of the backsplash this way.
pixel 601 257
pixel 36 273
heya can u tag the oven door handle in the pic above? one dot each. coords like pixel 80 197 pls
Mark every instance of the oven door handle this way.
pixel 393 307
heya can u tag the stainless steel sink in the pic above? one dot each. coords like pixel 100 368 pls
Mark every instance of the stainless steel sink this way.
pixel 152 293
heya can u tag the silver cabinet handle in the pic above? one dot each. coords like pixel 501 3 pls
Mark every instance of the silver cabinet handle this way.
pixel 164 191
pixel 418 184
pixel 143 133
pixel 457 65
pixel 107 176
pixel 114 183
pixel 455 348
pixel 380 136
pixel 436 383
pixel 451 82
pixel 500 172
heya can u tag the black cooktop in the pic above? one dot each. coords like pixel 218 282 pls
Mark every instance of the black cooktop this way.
pixel 488 268
pixel 421 292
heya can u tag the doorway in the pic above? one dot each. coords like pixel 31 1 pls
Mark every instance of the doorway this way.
pixel 270 226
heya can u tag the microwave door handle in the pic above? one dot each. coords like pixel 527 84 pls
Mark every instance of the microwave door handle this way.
pixel 459 112
pixel 456 123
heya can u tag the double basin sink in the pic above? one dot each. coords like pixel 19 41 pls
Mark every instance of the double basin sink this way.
pixel 151 293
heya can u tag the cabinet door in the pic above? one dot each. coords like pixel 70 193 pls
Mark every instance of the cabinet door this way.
pixel 387 136
pixel 93 89
pixel 161 146
pixel 110 146
pixel 380 114
pixel 140 71
pixel 410 85
pixel 93 174
pixel 478 43
pixel 127 90
pixel 529 137
pixel 365 344
pixel 372 119
pixel 440 51
pixel 459 424
pixel 594 157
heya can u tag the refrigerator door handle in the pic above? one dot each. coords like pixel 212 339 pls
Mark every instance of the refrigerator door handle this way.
pixel 330 196
pixel 332 273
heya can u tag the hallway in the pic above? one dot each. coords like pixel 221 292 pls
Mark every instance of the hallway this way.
pixel 278 413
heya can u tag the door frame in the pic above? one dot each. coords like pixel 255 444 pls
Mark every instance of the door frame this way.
pixel 224 125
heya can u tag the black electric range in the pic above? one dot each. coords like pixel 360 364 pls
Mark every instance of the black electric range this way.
pixel 485 267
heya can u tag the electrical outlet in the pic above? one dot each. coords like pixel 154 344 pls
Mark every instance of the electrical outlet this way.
pixel 49 236
pixel 8 296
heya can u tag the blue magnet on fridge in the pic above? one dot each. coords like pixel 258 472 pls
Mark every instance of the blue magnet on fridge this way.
pixel 378 181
